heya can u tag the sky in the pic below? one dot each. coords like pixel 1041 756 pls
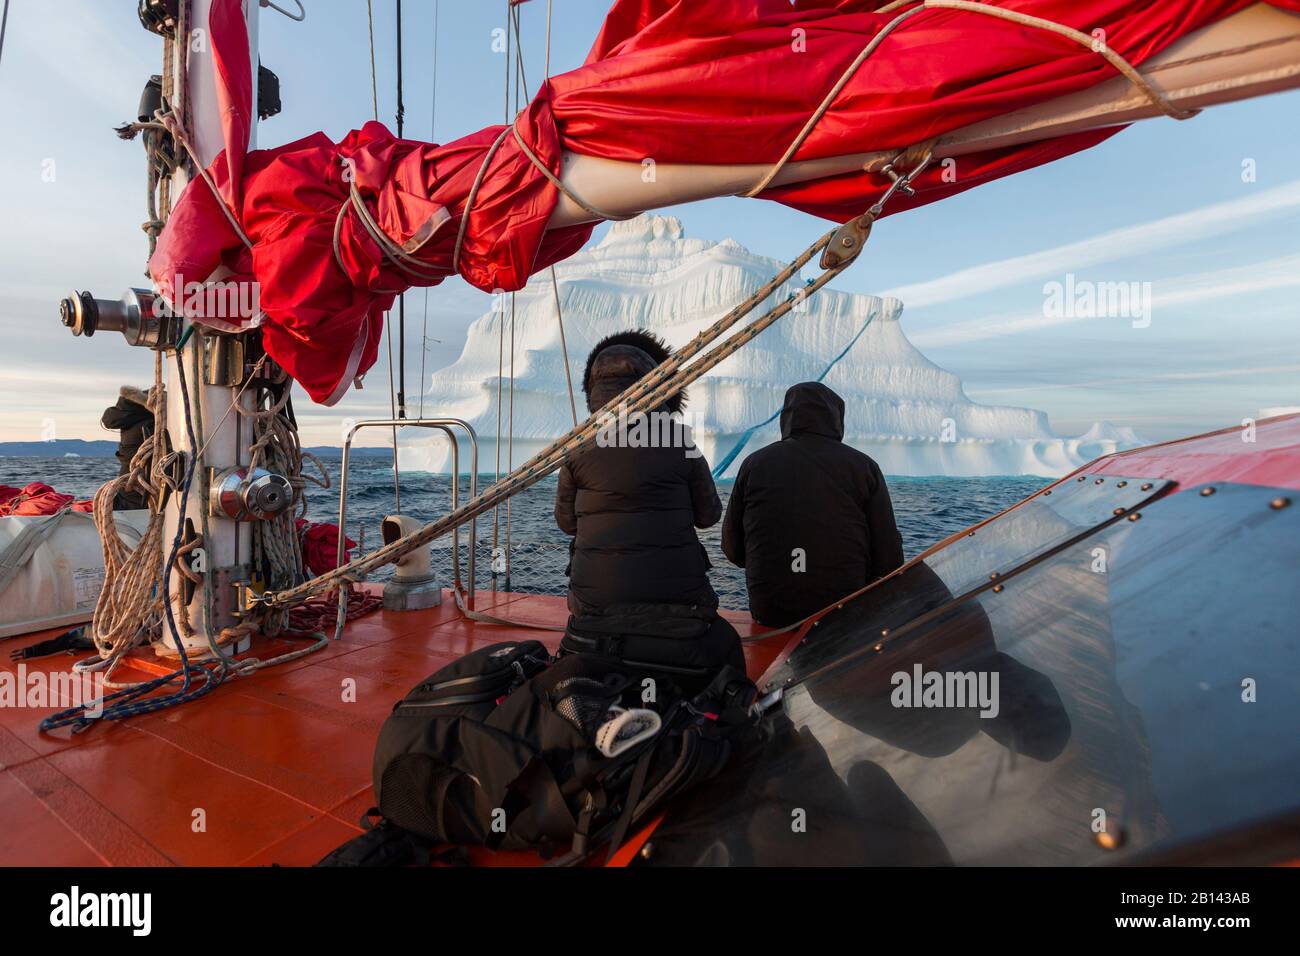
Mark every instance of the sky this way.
pixel 1206 211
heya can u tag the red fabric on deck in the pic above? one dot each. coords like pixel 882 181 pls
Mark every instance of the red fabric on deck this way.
pixel 677 81
pixel 37 498
pixel 320 543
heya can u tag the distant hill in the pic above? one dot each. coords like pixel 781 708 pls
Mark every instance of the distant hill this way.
pixel 105 449
pixel 57 449
pixel 357 452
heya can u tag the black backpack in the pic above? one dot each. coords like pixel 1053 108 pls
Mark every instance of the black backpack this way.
pixel 499 749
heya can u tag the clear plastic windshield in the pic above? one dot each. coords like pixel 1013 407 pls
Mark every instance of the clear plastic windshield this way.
pixel 1134 691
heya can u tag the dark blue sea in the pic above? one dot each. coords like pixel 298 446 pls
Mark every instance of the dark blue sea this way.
pixel 927 509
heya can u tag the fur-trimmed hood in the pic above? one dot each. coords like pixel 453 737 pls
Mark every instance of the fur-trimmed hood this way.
pixel 620 359
pixel 137 395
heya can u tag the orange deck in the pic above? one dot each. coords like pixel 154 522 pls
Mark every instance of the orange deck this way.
pixel 278 763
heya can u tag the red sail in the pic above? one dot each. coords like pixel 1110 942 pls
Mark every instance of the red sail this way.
pixel 676 81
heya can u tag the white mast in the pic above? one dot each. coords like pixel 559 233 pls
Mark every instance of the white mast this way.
pixel 228 544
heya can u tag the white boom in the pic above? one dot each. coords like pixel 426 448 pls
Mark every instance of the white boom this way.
pixel 1252 53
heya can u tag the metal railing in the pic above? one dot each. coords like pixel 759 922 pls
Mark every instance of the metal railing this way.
pixel 444 425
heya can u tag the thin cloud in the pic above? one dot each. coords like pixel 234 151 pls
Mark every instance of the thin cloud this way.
pixel 1279 273
pixel 1216 219
pixel 1197 376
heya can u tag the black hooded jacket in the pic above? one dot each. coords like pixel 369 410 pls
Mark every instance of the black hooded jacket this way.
pixel 633 511
pixel 809 518
pixel 133 419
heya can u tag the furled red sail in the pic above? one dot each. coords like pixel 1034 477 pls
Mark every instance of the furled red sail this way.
pixel 725 82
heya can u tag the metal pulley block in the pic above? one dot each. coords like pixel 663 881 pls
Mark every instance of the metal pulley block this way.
pixel 249 494
pixel 847 242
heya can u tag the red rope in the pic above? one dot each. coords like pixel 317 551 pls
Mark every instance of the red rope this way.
pixel 321 613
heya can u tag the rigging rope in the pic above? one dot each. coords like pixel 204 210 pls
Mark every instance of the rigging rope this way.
pixel 4 25
pixel 374 81
pixel 433 126
pixel 401 298
pixel 555 285
pixel 721 467
pixel 392 408
pixel 564 347
pixel 510 433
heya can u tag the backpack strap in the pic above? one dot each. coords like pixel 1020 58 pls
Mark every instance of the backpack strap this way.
pixel 383 844
pixel 534 787
pixel 630 804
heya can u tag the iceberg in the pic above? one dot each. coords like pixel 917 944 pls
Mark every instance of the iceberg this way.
pixel 909 414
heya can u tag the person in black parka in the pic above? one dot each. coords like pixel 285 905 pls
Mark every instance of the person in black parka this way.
pixel 633 511
pixel 131 418
pixel 809 517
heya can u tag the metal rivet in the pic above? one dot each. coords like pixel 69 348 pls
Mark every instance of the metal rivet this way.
pixel 993 576
pixel 1135 516
pixel 1121 484
pixel 1112 838
pixel 1048 491
pixel 647 851
pixel 1118 511
pixel 876 648
pixel 997 588
pixel 1082 478
pixel 1099 481
pixel 1206 492
pixel 884 632
pixel 970 534
pixel 1148 486
pixel 1277 504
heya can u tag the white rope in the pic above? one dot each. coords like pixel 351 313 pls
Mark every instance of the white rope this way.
pixel 510 433
pixel 433 128
pixel 4 26
pixel 501 340
pixel 555 285
pixel 129 601
pixel 564 347
pixel 374 82
pixel 392 408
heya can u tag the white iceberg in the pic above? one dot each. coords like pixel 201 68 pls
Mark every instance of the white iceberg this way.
pixel 910 415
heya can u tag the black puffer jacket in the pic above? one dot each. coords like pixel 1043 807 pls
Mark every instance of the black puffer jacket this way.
pixel 634 511
pixel 813 494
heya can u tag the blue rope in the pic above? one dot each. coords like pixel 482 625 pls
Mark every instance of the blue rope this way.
pixel 125 703
pixel 748 433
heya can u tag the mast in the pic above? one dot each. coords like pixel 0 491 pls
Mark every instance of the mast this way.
pixel 212 443
pixel 227 547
